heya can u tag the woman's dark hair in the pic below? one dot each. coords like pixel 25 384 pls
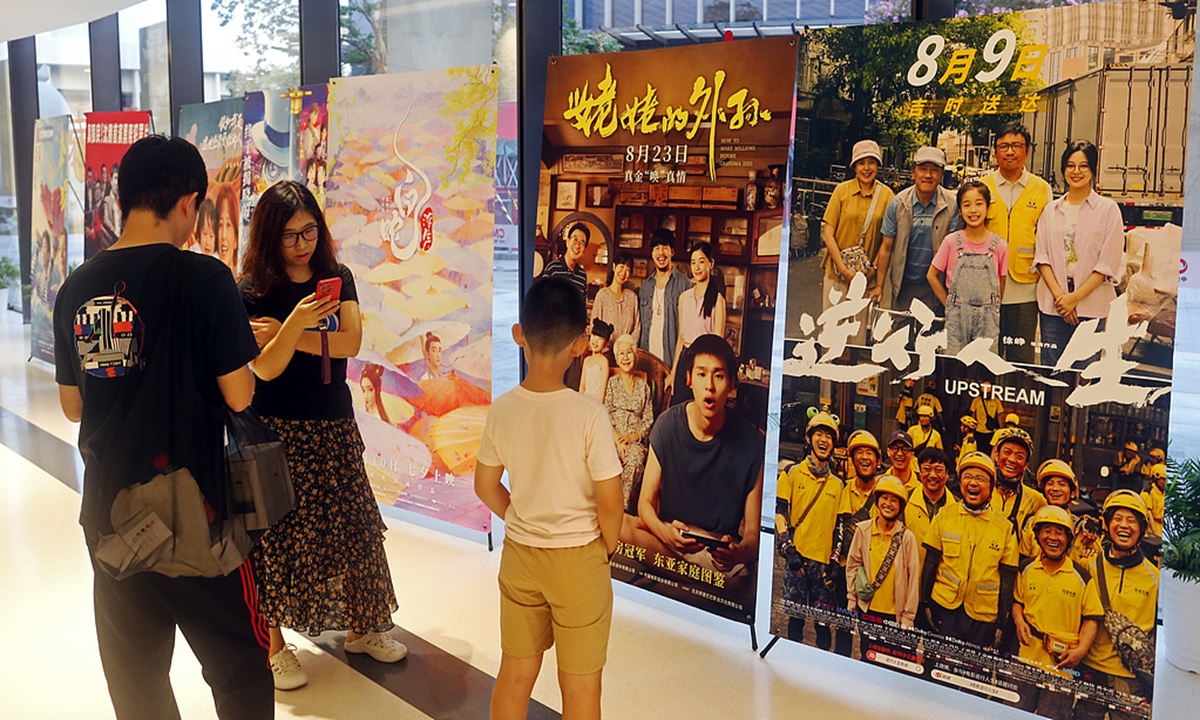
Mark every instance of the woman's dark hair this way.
pixel 208 212
pixel 621 257
pixel 263 264
pixel 974 185
pixel 374 373
pixel 1089 151
pixel 714 289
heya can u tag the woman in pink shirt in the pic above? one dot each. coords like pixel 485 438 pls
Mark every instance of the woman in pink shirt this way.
pixel 1079 252
pixel 975 261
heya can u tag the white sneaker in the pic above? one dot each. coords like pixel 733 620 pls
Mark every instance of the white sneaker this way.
pixel 286 669
pixel 381 646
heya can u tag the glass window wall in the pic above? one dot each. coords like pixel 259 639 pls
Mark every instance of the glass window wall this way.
pixel 249 45
pixel 145 79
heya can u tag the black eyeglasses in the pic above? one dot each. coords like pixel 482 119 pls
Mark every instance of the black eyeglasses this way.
pixel 1016 147
pixel 309 234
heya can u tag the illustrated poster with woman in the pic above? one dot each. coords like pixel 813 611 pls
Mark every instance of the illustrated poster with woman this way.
pixel 410 180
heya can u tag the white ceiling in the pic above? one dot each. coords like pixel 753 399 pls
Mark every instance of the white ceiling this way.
pixel 23 18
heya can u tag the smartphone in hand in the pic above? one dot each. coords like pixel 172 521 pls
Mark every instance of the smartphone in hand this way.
pixel 329 288
pixel 710 542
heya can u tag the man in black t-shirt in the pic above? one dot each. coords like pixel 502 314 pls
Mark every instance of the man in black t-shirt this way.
pixel 110 314
pixel 702 488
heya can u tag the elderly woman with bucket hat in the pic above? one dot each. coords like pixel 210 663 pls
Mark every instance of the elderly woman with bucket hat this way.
pixel 850 227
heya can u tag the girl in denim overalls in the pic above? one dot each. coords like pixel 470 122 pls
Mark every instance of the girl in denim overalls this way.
pixel 974 261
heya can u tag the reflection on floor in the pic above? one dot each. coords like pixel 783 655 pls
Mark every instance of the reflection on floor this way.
pixel 665 660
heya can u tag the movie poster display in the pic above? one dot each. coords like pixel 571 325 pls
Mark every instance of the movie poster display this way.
pixel 978 349
pixel 109 135
pixel 284 138
pixel 216 129
pixel 408 201
pixel 663 193
pixel 49 229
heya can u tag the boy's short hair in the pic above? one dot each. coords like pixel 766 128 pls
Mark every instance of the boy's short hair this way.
pixel 156 172
pixel 934 455
pixel 715 346
pixel 553 315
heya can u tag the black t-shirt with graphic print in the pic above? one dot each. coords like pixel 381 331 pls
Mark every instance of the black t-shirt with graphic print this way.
pixel 108 314
pixel 298 393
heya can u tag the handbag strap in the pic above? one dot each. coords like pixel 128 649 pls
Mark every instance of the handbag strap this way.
pixel 1102 582
pixel 893 548
pixel 812 503
pixel 862 237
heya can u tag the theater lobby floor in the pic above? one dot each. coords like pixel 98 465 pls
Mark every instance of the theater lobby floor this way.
pixel 665 660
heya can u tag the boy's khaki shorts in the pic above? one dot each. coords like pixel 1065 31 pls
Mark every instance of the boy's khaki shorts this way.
pixel 557 596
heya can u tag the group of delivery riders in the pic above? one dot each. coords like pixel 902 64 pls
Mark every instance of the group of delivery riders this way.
pixel 1006 557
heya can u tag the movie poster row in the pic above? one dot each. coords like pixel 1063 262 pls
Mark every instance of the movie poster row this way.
pixel 51 168
pixel 109 135
pixel 977 363
pixel 662 196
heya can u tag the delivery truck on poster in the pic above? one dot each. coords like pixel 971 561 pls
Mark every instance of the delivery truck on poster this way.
pixel 1137 115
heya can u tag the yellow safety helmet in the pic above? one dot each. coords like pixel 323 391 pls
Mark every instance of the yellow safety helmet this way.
pixel 1158 454
pixel 977 460
pixel 822 419
pixel 1129 500
pixel 925 410
pixel 1053 515
pixel 1010 434
pixel 863 438
pixel 1131 446
pixel 1056 468
pixel 891 484
pixel 1012 420
pixel 1158 471
pixel 970 422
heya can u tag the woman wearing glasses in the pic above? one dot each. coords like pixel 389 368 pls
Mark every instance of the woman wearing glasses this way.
pixel 1080 253
pixel 323 566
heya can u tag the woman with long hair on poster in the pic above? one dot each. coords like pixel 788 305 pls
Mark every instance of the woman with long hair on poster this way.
pixel 372 390
pixel 701 312
pixel 323 566
pixel 227 228
pixel 1079 253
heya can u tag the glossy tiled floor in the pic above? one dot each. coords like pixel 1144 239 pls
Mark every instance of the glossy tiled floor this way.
pixel 664 660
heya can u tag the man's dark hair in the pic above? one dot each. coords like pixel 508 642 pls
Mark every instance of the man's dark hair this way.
pixel 156 172
pixel 553 315
pixel 933 455
pixel 1090 153
pixel 587 234
pixel 715 346
pixel 1014 128
pixel 662 236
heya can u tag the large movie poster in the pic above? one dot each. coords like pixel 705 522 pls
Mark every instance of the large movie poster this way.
pixel 49 229
pixel 216 129
pixel 109 135
pixel 977 363
pixel 284 138
pixel 408 200
pixel 662 195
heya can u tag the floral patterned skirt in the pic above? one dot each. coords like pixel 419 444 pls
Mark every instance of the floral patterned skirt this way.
pixel 323 566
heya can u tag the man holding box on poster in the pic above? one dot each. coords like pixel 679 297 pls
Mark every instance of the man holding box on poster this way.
pixel 1018 198
pixel 970 561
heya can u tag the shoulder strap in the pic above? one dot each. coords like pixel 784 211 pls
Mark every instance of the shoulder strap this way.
pixel 893 548
pixel 862 238
pixel 813 502
pixel 1103 583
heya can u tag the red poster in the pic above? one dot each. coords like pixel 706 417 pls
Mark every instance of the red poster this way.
pixel 109 135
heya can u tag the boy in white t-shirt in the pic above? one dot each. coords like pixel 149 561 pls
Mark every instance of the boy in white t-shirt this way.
pixel 562 511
